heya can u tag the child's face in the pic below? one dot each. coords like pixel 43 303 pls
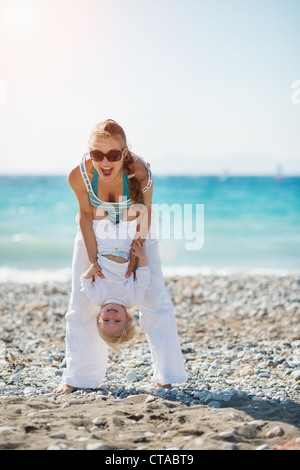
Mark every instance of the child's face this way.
pixel 113 319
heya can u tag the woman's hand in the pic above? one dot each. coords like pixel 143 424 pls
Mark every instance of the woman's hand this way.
pixel 138 249
pixel 94 270
pixel 133 264
pixel 137 254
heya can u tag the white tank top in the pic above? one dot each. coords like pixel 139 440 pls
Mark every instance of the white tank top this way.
pixel 114 239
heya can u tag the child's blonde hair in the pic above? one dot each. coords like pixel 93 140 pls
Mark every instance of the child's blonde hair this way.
pixel 115 339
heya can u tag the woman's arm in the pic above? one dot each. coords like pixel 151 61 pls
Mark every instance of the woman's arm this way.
pixel 144 219
pixel 85 215
pixel 141 172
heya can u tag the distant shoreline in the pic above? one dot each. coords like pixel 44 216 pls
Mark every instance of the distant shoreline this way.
pixel 164 175
pixel 37 276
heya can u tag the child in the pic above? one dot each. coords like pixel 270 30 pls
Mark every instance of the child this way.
pixel 114 292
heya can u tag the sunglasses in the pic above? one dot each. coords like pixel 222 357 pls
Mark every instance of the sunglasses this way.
pixel 112 155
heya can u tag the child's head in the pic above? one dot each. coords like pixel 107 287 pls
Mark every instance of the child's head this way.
pixel 115 325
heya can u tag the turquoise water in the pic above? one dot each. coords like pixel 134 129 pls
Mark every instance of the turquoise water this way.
pixel 249 222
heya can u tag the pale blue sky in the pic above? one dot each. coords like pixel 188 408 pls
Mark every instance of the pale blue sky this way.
pixel 200 86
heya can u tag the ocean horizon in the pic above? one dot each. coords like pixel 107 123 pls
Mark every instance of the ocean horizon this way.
pixel 250 224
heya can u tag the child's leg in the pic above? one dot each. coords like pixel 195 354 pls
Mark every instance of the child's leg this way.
pixel 86 352
pixel 159 322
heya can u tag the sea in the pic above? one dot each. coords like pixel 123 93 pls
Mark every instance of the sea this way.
pixel 205 224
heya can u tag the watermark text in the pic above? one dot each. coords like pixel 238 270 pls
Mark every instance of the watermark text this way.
pixel 295 98
pixel 168 222
pixel 2 92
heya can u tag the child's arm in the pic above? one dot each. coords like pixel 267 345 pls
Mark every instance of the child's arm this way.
pixel 138 249
pixel 142 274
pixel 91 287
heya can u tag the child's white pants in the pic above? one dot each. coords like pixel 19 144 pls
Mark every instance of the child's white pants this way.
pixel 86 352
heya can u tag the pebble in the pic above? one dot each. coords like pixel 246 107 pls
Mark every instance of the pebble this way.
pixel 214 404
pixel 275 432
pixel 96 446
pixel 263 447
pixel 6 430
pixel 58 435
pixel 161 392
pixel 65 405
pixel 99 421
pixel 198 441
pixel 227 434
pixel 131 376
pixel 296 374
pixel 150 399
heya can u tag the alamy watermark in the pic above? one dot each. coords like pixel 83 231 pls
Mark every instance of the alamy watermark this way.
pixel 178 222
pixel 295 98
pixel 181 223
pixel 2 92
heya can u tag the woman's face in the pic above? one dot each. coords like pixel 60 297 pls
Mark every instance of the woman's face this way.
pixel 106 169
pixel 113 319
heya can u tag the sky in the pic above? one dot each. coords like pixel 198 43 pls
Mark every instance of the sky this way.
pixel 199 86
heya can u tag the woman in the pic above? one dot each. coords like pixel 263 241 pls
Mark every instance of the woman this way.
pixel 108 182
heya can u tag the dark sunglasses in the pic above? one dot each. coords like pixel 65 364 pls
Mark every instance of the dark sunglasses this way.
pixel 112 155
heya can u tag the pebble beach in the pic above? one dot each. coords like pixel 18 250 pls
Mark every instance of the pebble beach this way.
pixel 240 336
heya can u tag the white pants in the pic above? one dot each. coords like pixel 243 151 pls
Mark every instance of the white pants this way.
pixel 86 352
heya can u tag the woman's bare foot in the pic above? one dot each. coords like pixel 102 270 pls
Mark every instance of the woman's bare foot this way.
pixel 167 386
pixel 64 389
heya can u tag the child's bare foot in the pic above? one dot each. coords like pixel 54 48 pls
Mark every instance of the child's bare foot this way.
pixel 64 389
pixel 167 386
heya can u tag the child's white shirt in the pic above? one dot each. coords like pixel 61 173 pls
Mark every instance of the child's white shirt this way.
pixel 115 288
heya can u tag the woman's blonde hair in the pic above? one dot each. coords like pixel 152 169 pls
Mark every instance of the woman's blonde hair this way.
pixel 115 339
pixel 110 128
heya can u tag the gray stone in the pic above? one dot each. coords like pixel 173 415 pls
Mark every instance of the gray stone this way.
pixel 131 376
pixel 96 446
pixel 58 435
pixel 214 404
pixel 99 421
